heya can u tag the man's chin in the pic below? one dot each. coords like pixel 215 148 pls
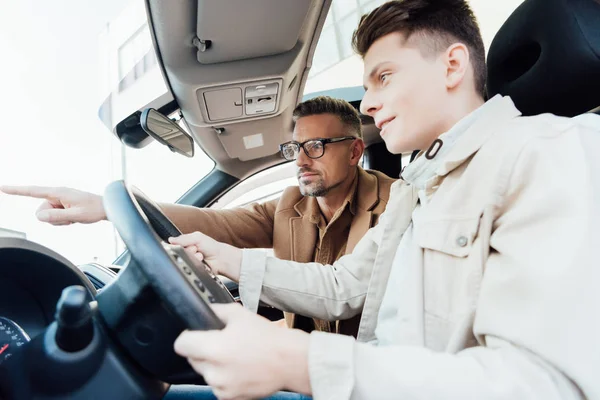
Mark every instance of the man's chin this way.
pixel 396 145
pixel 309 190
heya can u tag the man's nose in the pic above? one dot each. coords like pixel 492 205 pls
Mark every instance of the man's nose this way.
pixel 369 104
pixel 302 159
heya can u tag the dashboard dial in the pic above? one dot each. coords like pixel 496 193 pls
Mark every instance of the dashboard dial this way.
pixel 12 336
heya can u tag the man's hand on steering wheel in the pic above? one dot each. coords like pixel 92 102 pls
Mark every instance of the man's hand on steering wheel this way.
pixel 222 258
pixel 250 358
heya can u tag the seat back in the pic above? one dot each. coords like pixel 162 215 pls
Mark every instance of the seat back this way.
pixel 378 158
pixel 546 57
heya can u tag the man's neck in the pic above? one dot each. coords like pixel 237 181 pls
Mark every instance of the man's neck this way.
pixel 332 201
pixel 460 109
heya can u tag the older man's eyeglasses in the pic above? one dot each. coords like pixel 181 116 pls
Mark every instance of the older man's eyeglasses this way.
pixel 314 148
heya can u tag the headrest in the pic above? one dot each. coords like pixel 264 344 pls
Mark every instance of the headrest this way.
pixel 546 57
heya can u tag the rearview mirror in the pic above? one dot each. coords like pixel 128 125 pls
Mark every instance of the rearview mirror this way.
pixel 167 132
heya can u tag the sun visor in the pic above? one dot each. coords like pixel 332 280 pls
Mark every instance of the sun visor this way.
pixel 241 29
pixel 255 139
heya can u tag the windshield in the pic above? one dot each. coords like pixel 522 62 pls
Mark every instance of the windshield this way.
pixel 52 89
pixel 336 66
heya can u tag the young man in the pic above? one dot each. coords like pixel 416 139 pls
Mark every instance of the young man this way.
pixel 480 281
pixel 334 205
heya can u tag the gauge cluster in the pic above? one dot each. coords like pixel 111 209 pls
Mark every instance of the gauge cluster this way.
pixel 12 337
pixel 32 279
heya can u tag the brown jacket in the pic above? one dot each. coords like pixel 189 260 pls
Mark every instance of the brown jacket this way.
pixel 284 224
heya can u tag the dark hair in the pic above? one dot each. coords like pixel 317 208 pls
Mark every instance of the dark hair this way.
pixel 328 105
pixel 439 23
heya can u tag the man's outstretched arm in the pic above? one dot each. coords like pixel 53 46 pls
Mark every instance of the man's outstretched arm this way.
pixel 250 227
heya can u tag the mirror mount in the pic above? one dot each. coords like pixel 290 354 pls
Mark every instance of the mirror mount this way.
pixel 130 133
pixel 167 132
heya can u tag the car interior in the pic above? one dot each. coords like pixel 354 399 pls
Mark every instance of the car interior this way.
pixel 107 331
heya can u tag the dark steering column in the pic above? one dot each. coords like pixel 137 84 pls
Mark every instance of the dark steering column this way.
pixel 74 359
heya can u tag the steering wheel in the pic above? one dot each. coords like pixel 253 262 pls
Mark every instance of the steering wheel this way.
pixel 162 225
pixel 184 285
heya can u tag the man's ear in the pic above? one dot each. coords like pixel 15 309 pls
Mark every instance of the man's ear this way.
pixel 357 150
pixel 457 64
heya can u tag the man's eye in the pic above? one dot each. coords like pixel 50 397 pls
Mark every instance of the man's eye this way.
pixel 316 145
pixel 384 77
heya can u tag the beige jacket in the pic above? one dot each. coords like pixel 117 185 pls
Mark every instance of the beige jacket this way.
pixel 513 312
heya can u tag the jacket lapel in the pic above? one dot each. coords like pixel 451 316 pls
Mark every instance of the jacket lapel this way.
pixel 403 199
pixel 304 230
pixel 366 200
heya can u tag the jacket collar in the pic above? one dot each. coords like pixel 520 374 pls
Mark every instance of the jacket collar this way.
pixel 495 111
pixel 367 191
pixel 365 197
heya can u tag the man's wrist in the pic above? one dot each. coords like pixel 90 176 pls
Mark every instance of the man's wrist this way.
pixel 233 264
pixel 101 210
pixel 292 354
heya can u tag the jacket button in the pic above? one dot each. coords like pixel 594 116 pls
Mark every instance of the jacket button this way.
pixel 462 241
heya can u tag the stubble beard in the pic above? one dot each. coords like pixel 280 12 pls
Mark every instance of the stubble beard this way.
pixel 316 189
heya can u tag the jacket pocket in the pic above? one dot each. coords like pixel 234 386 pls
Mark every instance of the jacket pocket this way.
pixel 454 237
pixel 452 267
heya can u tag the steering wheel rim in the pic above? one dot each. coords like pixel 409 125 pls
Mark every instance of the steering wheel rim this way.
pixel 187 288
pixel 163 226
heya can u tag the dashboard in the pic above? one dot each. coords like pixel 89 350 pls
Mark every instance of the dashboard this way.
pixel 134 330
pixel 130 338
pixel 32 278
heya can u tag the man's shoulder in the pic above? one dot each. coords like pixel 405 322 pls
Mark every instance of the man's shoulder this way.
pixel 373 190
pixel 382 178
pixel 519 131
pixel 526 133
pixel 525 143
pixel 383 183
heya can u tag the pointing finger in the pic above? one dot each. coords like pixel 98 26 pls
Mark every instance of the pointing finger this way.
pixel 38 192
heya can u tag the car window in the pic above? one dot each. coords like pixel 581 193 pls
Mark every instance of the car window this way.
pixel 261 187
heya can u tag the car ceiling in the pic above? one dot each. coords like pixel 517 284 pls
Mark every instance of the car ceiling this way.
pixel 262 46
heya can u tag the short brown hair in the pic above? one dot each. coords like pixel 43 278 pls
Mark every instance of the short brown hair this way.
pixel 329 105
pixel 439 22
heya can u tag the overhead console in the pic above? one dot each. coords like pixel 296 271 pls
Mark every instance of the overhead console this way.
pixel 233 102
pixel 257 28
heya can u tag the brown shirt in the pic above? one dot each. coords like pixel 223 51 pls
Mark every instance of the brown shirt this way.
pixel 331 245
pixel 329 248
